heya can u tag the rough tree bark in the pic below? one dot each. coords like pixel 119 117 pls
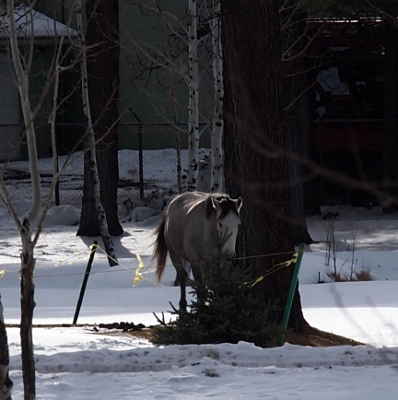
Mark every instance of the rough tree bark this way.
pixel 103 74
pixel 91 169
pixel 254 141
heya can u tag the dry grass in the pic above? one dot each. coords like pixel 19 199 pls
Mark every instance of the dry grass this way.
pixel 309 337
pixel 363 275
pixel 357 276
pixel 316 338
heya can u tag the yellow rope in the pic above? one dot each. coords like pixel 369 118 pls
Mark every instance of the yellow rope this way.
pixel 139 275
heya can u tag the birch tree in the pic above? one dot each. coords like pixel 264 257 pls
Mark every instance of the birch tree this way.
pixel 193 104
pixel 217 125
pixel 31 224
pixel 26 225
pixel 185 31
pixel 90 156
pixel 102 49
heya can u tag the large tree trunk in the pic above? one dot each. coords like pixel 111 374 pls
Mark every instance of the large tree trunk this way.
pixel 93 201
pixel 254 142
pixel 103 72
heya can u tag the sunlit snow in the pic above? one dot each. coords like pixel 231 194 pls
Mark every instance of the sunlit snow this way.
pixel 78 363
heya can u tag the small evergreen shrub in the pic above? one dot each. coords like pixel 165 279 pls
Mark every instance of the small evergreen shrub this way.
pixel 230 313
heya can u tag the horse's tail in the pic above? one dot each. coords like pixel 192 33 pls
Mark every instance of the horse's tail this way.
pixel 161 250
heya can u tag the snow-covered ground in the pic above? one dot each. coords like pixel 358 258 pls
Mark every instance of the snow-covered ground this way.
pixel 80 363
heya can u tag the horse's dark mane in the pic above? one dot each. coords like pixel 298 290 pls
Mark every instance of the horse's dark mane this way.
pixel 226 203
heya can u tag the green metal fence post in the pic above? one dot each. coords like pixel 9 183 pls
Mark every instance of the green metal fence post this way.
pixel 293 285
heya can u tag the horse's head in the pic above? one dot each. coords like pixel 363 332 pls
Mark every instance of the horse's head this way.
pixel 225 212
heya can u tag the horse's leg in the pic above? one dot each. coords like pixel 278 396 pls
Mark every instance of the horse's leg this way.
pixel 197 272
pixel 187 268
pixel 182 277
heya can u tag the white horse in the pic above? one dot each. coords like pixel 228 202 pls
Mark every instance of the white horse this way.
pixel 200 229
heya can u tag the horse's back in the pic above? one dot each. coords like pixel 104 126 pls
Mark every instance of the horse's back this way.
pixel 187 199
pixel 186 205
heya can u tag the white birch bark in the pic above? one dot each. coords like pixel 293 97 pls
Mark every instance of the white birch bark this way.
pixel 187 33
pixel 217 126
pixel 103 224
pixel 193 105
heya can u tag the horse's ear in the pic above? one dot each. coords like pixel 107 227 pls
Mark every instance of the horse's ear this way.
pixel 239 203
pixel 211 206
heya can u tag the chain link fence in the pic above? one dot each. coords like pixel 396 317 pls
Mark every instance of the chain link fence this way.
pixel 148 160
pixel 9 139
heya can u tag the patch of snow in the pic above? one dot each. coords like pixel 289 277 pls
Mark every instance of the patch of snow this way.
pixel 80 362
